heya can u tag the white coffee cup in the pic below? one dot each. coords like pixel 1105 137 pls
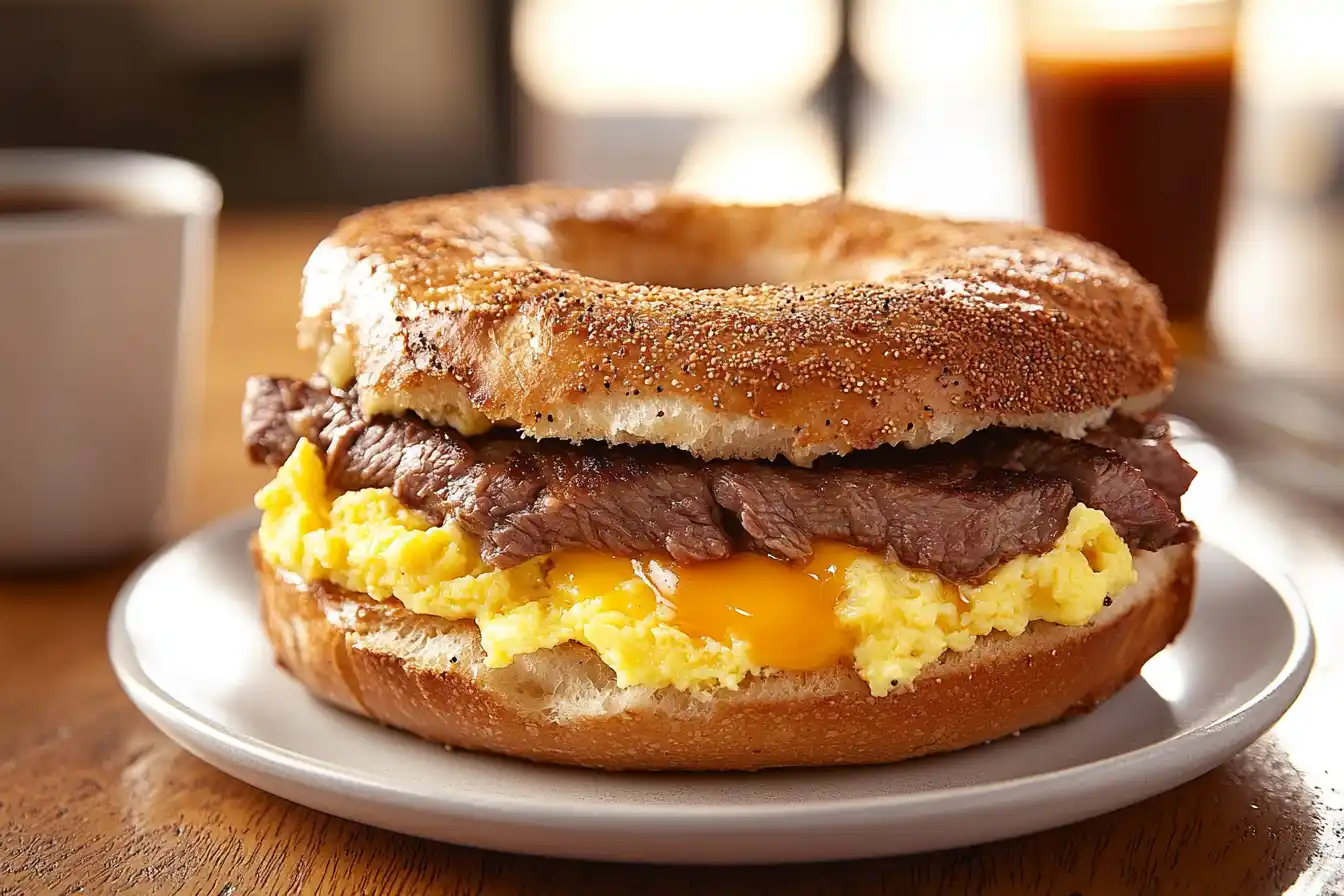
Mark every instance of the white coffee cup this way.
pixel 102 309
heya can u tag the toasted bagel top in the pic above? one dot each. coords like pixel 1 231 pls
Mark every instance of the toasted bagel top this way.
pixel 637 315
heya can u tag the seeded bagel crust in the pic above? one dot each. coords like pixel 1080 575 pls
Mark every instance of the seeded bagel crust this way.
pixel 637 315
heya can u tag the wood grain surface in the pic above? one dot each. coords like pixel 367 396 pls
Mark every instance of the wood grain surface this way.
pixel 94 800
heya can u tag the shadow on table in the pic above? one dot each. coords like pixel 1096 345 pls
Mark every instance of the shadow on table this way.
pixel 1256 825
pixel 1251 826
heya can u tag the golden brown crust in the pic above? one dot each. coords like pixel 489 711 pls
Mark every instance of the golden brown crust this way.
pixel 531 305
pixel 424 675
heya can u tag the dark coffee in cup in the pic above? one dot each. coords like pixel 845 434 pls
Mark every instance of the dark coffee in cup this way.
pixel 1131 117
pixel 30 202
pixel 1133 154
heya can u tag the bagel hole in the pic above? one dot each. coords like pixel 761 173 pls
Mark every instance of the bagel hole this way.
pixel 652 253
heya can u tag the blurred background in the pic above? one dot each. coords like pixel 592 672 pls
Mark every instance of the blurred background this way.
pixel 305 109
pixel 334 104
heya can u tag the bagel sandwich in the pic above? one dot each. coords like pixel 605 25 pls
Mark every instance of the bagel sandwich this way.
pixel 630 479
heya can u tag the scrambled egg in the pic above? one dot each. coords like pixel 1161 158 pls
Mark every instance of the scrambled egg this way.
pixel 894 620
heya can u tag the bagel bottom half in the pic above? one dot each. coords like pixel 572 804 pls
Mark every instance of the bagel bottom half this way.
pixel 427 675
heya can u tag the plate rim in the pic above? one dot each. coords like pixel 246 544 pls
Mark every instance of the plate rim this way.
pixel 1202 743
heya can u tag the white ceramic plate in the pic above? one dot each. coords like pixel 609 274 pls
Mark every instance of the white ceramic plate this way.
pixel 188 647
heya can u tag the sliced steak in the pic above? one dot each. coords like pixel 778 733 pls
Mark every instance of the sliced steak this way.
pixel 929 517
pixel 1100 478
pixel 1146 446
pixel 956 510
pixel 385 452
pixel 520 497
pixel 273 417
pixel 626 503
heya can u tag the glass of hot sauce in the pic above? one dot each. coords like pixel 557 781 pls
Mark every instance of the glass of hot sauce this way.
pixel 1131 107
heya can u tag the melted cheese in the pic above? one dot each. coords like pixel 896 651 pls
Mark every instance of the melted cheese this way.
pixel 691 626
pixel 783 613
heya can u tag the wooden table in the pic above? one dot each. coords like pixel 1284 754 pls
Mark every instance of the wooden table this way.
pixel 94 800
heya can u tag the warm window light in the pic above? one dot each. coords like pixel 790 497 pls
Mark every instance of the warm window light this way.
pixel 909 46
pixel 943 133
pixel 692 57
pixel 941 160
pixel 1291 51
pixel 1166 675
pixel 1290 48
pixel 788 159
